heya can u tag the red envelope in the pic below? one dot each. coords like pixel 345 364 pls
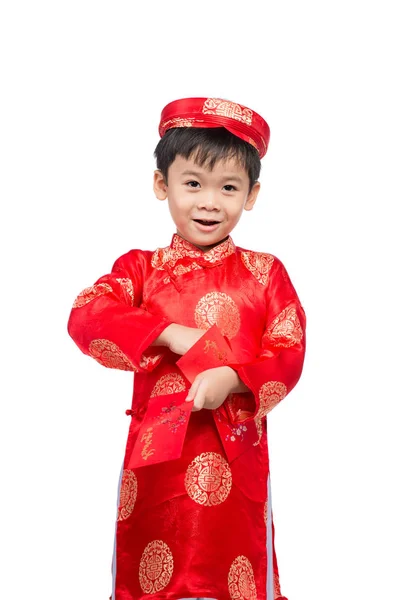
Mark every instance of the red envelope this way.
pixel 236 438
pixel 210 351
pixel 163 430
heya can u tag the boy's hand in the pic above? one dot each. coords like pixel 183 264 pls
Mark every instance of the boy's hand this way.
pixel 178 338
pixel 212 387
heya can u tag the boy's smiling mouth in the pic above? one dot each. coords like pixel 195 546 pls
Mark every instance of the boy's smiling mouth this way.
pixel 206 225
pixel 206 221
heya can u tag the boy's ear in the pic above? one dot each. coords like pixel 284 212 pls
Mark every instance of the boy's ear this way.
pixel 159 185
pixel 252 197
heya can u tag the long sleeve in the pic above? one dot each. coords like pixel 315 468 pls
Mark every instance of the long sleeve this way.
pixel 278 366
pixel 107 324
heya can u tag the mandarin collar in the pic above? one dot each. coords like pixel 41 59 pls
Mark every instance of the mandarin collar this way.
pixel 182 249
pixel 186 249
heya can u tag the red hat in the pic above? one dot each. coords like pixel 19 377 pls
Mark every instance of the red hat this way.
pixel 216 112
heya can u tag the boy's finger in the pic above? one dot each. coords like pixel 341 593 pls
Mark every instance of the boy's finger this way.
pixel 199 399
pixel 193 389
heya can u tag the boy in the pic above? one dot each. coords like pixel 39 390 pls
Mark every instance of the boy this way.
pixel 199 525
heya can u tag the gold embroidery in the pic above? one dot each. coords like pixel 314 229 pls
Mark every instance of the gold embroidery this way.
pixel 218 308
pixel 266 511
pixel 178 122
pixel 156 567
pixel 285 330
pixel 147 439
pixel 149 361
pixel 219 354
pixel 259 264
pixel 127 495
pixel 181 269
pixel 109 355
pixel 225 108
pixel 241 582
pixel 181 248
pixel 277 587
pixel 90 293
pixel 259 425
pixel 127 287
pixel 270 394
pixel 171 383
pixel 208 479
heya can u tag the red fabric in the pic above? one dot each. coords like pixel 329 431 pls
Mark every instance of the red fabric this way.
pixel 195 526
pixel 217 112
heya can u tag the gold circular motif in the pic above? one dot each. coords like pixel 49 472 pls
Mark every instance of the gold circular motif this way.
pixel 171 383
pixel 270 394
pixel 90 293
pixel 241 582
pixel 208 479
pixel 127 494
pixel 217 308
pixel 156 567
pixel 109 355
pixel 259 264
pixel 285 330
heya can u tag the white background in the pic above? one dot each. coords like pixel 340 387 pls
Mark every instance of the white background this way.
pixel 83 85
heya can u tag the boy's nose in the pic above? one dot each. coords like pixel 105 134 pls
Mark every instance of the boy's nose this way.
pixel 209 201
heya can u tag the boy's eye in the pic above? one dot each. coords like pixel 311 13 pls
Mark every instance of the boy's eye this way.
pixel 193 184
pixel 229 188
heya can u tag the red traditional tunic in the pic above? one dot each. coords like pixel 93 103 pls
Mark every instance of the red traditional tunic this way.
pixel 200 525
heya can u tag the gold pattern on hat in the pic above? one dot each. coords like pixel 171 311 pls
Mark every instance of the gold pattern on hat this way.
pixel 90 293
pixel 171 383
pixel 178 122
pixel 270 394
pixel 230 110
pixel 127 495
pixel 208 479
pixel 259 264
pixel 127 287
pixel 218 308
pixel 241 582
pixel 285 330
pixel 109 355
pixel 156 567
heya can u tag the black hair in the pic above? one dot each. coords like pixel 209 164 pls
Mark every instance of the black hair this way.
pixel 206 146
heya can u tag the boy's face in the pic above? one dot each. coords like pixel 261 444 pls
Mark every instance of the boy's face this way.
pixel 205 205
